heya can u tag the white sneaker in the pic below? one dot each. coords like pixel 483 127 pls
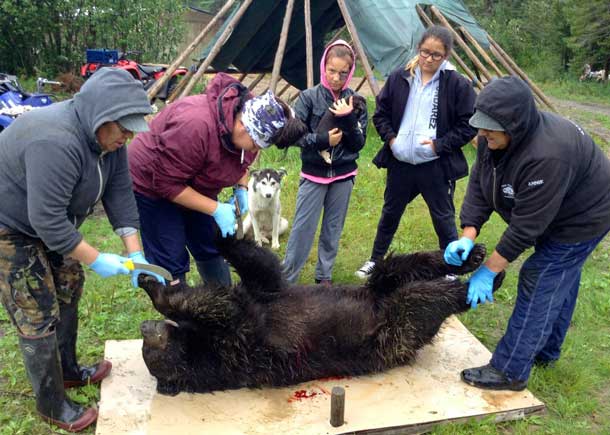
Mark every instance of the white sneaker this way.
pixel 366 269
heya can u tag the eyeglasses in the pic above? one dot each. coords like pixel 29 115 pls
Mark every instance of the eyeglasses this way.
pixel 426 54
pixel 342 74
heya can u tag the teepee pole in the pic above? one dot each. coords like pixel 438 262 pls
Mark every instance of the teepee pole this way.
pixel 308 43
pixel 471 75
pixel 284 89
pixel 181 84
pixel 510 70
pixel 358 46
pixel 480 50
pixel 521 74
pixel 461 43
pixel 256 81
pixel 216 48
pixel 279 54
pixel 156 87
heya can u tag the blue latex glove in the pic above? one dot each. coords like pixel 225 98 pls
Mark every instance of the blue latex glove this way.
pixel 242 199
pixel 457 252
pixel 106 265
pixel 225 218
pixel 481 286
pixel 138 257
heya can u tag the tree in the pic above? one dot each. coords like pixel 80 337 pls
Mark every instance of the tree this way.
pixel 590 28
pixel 47 35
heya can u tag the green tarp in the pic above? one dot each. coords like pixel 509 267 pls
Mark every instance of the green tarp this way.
pixel 388 30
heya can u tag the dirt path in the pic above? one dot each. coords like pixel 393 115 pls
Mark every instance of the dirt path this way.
pixel 585 114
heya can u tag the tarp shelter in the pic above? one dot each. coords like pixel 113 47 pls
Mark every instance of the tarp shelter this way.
pixel 388 29
pixel 287 37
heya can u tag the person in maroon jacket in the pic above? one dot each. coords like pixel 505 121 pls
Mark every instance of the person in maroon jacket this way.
pixel 196 147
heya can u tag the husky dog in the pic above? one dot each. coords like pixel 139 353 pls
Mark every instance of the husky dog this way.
pixel 265 208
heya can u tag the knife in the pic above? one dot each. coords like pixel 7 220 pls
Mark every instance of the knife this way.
pixel 239 234
pixel 129 264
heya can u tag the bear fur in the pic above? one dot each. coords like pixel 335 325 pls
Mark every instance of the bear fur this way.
pixel 264 332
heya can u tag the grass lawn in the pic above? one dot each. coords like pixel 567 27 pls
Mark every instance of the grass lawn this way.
pixel 576 391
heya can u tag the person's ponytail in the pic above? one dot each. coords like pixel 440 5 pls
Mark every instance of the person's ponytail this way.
pixel 412 64
pixel 293 129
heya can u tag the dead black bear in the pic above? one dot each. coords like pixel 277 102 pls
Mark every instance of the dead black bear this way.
pixel 263 332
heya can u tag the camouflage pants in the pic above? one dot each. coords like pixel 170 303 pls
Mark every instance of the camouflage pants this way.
pixel 35 281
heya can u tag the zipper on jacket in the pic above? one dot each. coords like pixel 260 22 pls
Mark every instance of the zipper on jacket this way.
pixel 494 189
pixel 101 180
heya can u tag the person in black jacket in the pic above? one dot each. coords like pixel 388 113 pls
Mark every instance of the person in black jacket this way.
pixel 328 163
pixel 549 181
pixel 422 117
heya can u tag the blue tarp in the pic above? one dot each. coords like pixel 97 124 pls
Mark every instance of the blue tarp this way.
pixel 388 30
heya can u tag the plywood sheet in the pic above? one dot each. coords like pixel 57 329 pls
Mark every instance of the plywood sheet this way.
pixel 403 400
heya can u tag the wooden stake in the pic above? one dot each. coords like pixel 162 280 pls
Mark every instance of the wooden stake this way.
pixel 156 87
pixel 358 46
pixel 461 43
pixel 482 52
pixel 453 53
pixel 308 43
pixel 521 74
pixel 337 407
pixel 279 54
pixel 216 48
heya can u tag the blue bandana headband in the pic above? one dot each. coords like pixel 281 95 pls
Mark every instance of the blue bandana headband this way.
pixel 263 117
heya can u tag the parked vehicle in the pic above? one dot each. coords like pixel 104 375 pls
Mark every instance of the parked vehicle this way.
pixel 14 100
pixel 147 74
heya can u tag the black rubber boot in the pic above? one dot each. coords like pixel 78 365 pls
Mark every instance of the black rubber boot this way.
pixel 215 271
pixel 67 332
pixel 43 368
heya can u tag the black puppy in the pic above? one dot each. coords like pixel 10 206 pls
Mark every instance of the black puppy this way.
pixel 263 332
pixel 344 123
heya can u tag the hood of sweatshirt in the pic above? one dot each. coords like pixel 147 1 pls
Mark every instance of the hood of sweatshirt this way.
pixel 108 95
pixel 323 80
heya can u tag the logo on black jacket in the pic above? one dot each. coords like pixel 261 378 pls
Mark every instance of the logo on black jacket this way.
pixel 508 191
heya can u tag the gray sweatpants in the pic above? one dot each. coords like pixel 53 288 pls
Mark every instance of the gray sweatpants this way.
pixel 311 198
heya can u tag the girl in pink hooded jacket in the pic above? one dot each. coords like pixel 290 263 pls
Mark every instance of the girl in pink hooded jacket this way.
pixel 327 179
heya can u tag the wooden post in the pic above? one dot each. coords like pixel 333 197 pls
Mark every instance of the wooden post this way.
pixel 461 43
pixel 521 74
pixel 511 71
pixel 284 89
pixel 337 407
pixel 256 81
pixel 336 35
pixel 482 52
pixel 308 43
pixel 279 54
pixel 216 48
pixel 181 84
pixel 357 88
pixel 154 89
pixel 453 54
pixel 358 46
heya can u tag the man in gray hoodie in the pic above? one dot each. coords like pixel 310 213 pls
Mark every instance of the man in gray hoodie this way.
pixel 56 163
